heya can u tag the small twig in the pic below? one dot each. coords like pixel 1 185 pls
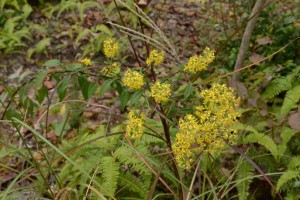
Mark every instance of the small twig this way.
pixel 256 63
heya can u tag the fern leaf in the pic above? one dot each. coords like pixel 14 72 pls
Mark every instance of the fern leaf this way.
pixel 263 140
pixel 286 177
pixel 110 173
pixel 290 100
pixel 275 87
pixel 133 184
pixel 294 163
pixel 292 196
pixel 244 173
pixel 128 156
pixel 286 135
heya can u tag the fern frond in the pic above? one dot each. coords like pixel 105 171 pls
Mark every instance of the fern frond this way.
pixel 131 183
pixel 275 87
pixel 110 173
pixel 286 134
pixel 292 196
pixel 263 140
pixel 245 170
pixel 286 177
pixel 290 100
pixel 294 163
pixel 128 156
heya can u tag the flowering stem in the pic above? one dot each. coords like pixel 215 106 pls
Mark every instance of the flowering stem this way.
pixel 169 143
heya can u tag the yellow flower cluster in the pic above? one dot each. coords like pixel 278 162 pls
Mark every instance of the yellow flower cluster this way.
pixel 188 129
pixel 161 92
pixel 111 70
pixel 156 57
pixel 86 62
pixel 133 80
pixel 134 128
pixel 216 118
pixel 110 47
pixel 200 63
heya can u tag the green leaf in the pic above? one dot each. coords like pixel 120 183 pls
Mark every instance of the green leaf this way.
pixel 105 86
pixel 135 97
pixel 87 88
pixel 286 177
pixel 61 126
pixel 81 35
pixel 73 66
pixel 188 90
pixel 39 79
pixel 275 87
pixel 263 140
pixel 11 113
pixel 41 94
pixel 27 9
pixel 110 174
pixel 41 45
pixel 103 29
pixel 245 173
pixel 286 135
pixel 171 109
pixel 124 98
pixel 290 100
pixel 52 63
pixel 62 88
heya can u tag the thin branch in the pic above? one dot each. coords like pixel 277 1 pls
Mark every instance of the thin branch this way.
pixel 259 4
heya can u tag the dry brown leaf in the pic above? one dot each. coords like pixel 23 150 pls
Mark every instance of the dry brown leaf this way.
pixel 191 13
pixel 142 3
pixel 51 136
pixel 255 58
pixel 294 121
pixel 264 40
pixel 225 172
pixel 49 84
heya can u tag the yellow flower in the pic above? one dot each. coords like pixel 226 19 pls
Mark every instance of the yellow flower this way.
pixel 133 80
pixel 161 92
pixel 156 57
pixel 111 70
pixel 200 63
pixel 110 47
pixel 184 141
pixel 134 128
pixel 214 122
pixel 86 62
pixel 217 115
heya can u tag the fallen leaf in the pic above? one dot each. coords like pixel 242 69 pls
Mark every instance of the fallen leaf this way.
pixel 264 40
pixel 142 3
pixel 49 84
pixel 191 13
pixel 88 114
pixel 256 58
pixel 51 136
pixel 294 121
pixel 225 172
